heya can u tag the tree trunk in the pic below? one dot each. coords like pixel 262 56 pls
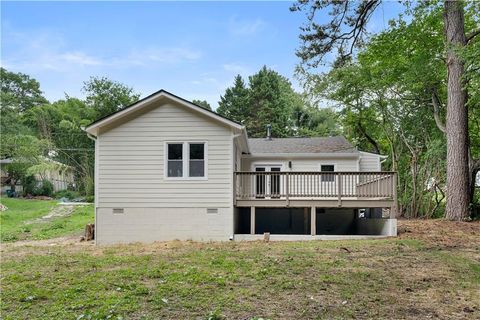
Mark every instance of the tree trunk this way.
pixel 474 168
pixel 457 120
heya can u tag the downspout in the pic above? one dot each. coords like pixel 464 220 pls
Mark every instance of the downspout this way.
pixel 232 237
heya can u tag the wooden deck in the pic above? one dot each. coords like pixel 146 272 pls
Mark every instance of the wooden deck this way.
pixel 316 189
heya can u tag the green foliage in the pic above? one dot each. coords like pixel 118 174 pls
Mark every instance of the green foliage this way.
pixel 385 96
pixel 29 185
pixel 202 103
pixel 37 188
pixel 106 96
pixel 234 103
pixel 270 99
pixel 19 92
pixel 45 188
pixel 33 129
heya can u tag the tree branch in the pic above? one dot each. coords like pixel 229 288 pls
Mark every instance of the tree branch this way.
pixel 368 137
pixel 436 113
pixel 472 35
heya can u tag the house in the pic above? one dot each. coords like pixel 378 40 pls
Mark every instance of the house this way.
pixel 59 174
pixel 168 169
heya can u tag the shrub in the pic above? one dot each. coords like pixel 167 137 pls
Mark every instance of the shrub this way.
pixel 90 198
pixel 29 185
pixel 46 188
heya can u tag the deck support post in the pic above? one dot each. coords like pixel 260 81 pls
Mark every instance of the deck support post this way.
pixel 394 207
pixel 313 221
pixel 235 188
pixel 305 219
pixel 252 220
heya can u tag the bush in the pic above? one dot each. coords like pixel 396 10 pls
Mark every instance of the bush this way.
pixel 45 189
pixel 35 188
pixel 90 199
pixel 29 185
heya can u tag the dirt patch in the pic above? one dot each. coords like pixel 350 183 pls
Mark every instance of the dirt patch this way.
pixel 62 241
pixel 441 233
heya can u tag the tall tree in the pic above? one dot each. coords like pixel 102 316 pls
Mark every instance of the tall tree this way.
pixel 457 114
pixel 234 103
pixel 106 96
pixel 272 101
pixel 19 91
pixel 346 30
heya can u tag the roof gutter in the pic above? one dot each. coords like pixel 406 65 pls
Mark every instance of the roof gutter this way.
pixel 351 155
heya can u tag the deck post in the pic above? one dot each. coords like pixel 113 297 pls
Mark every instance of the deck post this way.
pixel 394 207
pixel 339 190
pixel 287 191
pixel 252 220
pixel 313 221
pixel 235 188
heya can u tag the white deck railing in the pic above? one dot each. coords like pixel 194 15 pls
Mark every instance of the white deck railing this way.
pixel 315 185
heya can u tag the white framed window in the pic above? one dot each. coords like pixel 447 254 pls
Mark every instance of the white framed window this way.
pixel 327 168
pixel 186 160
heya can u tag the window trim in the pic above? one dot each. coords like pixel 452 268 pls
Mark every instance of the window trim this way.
pixel 334 170
pixel 185 160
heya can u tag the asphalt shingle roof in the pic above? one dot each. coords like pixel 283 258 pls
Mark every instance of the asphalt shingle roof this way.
pixel 336 144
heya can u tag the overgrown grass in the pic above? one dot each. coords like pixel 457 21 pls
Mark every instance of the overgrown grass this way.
pixel 20 221
pixel 381 279
pixel 20 211
pixel 432 271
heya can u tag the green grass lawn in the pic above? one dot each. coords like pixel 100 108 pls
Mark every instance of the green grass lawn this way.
pixel 433 272
pixel 20 221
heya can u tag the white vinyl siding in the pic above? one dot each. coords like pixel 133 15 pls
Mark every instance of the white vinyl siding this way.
pixel 369 162
pixel 341 164
pixel 131 161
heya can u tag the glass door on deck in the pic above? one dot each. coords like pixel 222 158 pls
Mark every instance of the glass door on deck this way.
pixel 267 184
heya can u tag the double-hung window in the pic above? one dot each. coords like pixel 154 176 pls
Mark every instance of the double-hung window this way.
pixel 186 160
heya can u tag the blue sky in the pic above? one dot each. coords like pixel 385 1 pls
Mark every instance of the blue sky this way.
pixel 193 49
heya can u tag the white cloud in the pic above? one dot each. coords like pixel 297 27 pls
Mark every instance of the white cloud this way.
pixel 50 51
pixel 80 58
pixel 245 27
pixel 236 68
pixel 158 55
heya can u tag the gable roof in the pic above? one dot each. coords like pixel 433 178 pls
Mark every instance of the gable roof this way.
pixel 94 126
pixel 312 145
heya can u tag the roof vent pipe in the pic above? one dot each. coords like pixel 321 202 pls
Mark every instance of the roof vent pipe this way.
pixel 269 132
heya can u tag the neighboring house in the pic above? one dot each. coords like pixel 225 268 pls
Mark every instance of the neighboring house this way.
pixel 59 174
pixel 168 169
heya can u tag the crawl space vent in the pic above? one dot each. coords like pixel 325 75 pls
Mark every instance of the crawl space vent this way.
pixel 212 210
pixel 117 210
